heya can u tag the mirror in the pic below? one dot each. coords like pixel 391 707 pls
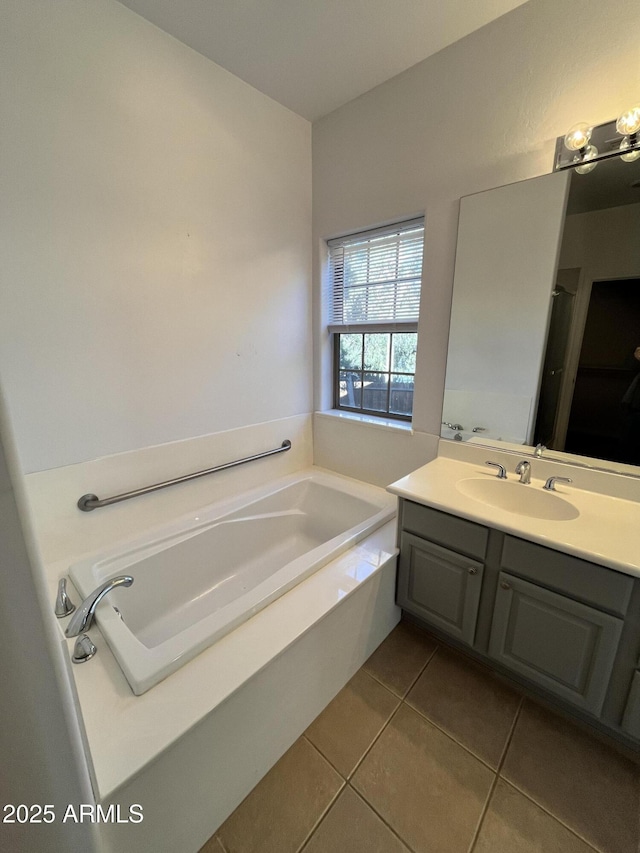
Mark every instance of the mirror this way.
pixel 545 317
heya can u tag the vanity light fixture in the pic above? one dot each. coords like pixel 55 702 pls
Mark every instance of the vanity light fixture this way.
pixel 628 125
pixel 576 149
pixel 578 139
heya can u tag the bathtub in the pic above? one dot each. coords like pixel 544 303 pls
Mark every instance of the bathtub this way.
pixel 199 578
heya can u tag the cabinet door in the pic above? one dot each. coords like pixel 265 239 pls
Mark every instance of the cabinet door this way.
pixel 631 719
pixel 563 645
pixel 440 586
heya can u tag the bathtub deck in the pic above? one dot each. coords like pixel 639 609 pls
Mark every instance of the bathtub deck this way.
pixel 126 732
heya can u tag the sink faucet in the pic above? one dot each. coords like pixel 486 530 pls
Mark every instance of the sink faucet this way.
pixel 524 469
pixel 83 617
pixel 502 473
pixel 550 485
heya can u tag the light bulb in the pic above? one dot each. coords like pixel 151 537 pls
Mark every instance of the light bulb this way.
pixel 586 166
pixel 629 122
pixel 578 137
pixel 632 154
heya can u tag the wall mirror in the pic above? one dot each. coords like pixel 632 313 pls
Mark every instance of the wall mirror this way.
pixel 545 317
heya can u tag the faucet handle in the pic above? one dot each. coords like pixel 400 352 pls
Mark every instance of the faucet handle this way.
pixel 84 649
pixel 550 485
pixel 502 473
pixel 64 605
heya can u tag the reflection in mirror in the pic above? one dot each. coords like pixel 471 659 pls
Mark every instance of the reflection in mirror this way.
pixel 545 317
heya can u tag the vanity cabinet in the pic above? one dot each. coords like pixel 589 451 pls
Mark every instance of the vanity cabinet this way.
pixel 440 586
pixel 550 639
pixel 563 626
pixel 631 719
pixel 440 577
pixel 557 620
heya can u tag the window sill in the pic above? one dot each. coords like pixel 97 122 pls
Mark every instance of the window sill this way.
pixel 368 420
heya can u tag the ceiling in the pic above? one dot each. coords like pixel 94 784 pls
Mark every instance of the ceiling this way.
pixel 312 56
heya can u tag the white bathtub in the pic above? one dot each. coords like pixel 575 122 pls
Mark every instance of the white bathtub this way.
pixel 197 579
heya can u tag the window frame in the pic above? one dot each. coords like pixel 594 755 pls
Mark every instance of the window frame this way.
pixel 390 329
pixel 389 326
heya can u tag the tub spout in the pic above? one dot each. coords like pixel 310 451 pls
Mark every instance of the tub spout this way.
pixel 83 617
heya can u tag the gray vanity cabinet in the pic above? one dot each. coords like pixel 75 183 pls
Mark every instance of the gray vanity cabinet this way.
pixel 561 626
pixel 563 645
pixel 440 569
pixel 631 719
pixel 440 586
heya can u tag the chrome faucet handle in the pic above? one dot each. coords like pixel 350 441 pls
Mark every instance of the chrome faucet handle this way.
pixel 64 605
pixel 540 448
pixel 550 485
pixel 84 649
pixel 456 427
pixel 82 619
pixel 524 469
pixel 502 473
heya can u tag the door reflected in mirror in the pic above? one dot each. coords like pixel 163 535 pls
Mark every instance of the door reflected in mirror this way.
pixel 545 316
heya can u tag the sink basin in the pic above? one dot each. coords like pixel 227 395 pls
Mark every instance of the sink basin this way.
pixel 518 498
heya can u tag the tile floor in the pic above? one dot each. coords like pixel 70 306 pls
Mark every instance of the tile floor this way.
pixel 424 751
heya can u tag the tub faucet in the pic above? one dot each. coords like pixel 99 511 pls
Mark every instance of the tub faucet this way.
pixel 83 617
pixel 524 469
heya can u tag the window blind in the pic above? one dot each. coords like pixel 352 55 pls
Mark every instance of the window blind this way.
pixel 375 278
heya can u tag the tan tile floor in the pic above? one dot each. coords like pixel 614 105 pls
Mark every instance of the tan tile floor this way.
pixel 425 751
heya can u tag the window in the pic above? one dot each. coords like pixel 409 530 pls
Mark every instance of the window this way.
pixel 375 299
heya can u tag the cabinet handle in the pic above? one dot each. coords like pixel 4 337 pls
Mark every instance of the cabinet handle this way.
pixel 473 571
pixel 505 585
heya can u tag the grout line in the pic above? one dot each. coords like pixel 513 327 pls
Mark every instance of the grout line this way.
pixel 384 820
pixel 483 814
pixel 218 839
pixel 400 700
pixel 547 811
pixel 374 741
pixel 350 776
pixel 402 696
pixel 555 817
pixel 323 815
pixel 419 675
pixel 380 683
pixel 510 736
pixel 531 799
pixel 323 756
pixel 466 748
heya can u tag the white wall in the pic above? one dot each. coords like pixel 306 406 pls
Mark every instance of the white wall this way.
pixel 155 238
pixel 482 113
pixel 43 760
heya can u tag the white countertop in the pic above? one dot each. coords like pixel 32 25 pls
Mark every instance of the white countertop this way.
pixel 606 530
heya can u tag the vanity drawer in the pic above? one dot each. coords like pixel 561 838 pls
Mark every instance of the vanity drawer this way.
pixel 450 531
pixel 606 589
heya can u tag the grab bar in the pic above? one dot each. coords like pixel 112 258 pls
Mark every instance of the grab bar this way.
pixel 90 502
